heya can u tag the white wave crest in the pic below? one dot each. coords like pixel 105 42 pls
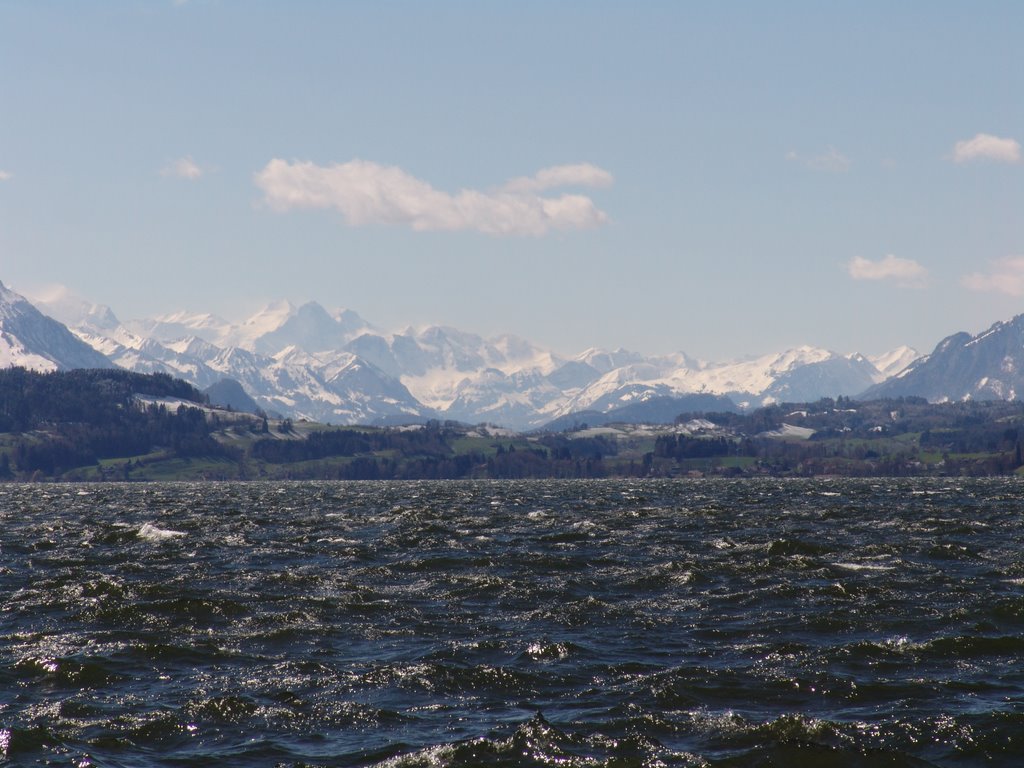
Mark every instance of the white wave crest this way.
pixel 151 533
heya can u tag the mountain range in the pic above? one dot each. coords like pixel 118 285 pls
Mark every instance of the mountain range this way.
pixel 335 367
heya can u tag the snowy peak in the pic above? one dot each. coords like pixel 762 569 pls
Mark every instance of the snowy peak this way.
pixel 605 361
pixel 193 346
pixel 73 311
pixel 525 354
pixel 987 366
pixel 842 375
pixel 792 358
pixel 309 327
pixel 266 321
pixel 894 361
pixel 30 339
pixel 350 322
pixel 276 326
pixel 462 373
pixel 13 305
pixel 453 349
pixel 180 325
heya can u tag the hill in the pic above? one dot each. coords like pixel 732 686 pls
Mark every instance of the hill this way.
pixel 116 425
pixel 229 394
pixel 55 422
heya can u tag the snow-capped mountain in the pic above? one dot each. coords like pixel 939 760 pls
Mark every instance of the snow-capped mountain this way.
pixel 894 361
pixel 797 374
pixel 989 366
pixel 311 328
pixel 30 339
pixel 332 366
pixel 178 325
pixel 75 312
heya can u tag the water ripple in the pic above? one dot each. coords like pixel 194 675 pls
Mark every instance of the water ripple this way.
pixel 584 623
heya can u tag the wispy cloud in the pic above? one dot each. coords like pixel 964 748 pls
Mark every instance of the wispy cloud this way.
pixel 984 146
pixel 182 168
pixel 5 175
pixel 367 193
pixel 1005 275
pixel 904 271
pixel 579 175
pixel 830 161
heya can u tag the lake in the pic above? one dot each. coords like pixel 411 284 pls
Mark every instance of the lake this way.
pixel 534 623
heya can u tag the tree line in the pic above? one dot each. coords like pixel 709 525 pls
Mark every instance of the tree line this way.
pixel 61 420
pixel 431 452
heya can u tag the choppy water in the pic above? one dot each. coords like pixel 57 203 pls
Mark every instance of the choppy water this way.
pixel 619 623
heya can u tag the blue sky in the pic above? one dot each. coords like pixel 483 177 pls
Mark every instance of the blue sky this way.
pixel 721 178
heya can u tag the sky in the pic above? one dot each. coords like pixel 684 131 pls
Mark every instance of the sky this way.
pixel 719 178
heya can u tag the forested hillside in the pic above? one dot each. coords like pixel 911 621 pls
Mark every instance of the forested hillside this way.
pixel 56 421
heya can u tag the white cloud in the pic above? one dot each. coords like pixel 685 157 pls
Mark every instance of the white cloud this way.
pixel 579 175
pixel 367 193
pixel 49 293
pixel 987 147
pixel 1005 276
pixel 831 160
pixel 5 175
pixel 182 168
pixel 906 271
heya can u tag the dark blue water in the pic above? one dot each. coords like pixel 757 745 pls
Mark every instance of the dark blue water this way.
pixel 606 623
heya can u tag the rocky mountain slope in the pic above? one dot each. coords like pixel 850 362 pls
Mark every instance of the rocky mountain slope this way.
pixel 31 339
pixel 989 366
